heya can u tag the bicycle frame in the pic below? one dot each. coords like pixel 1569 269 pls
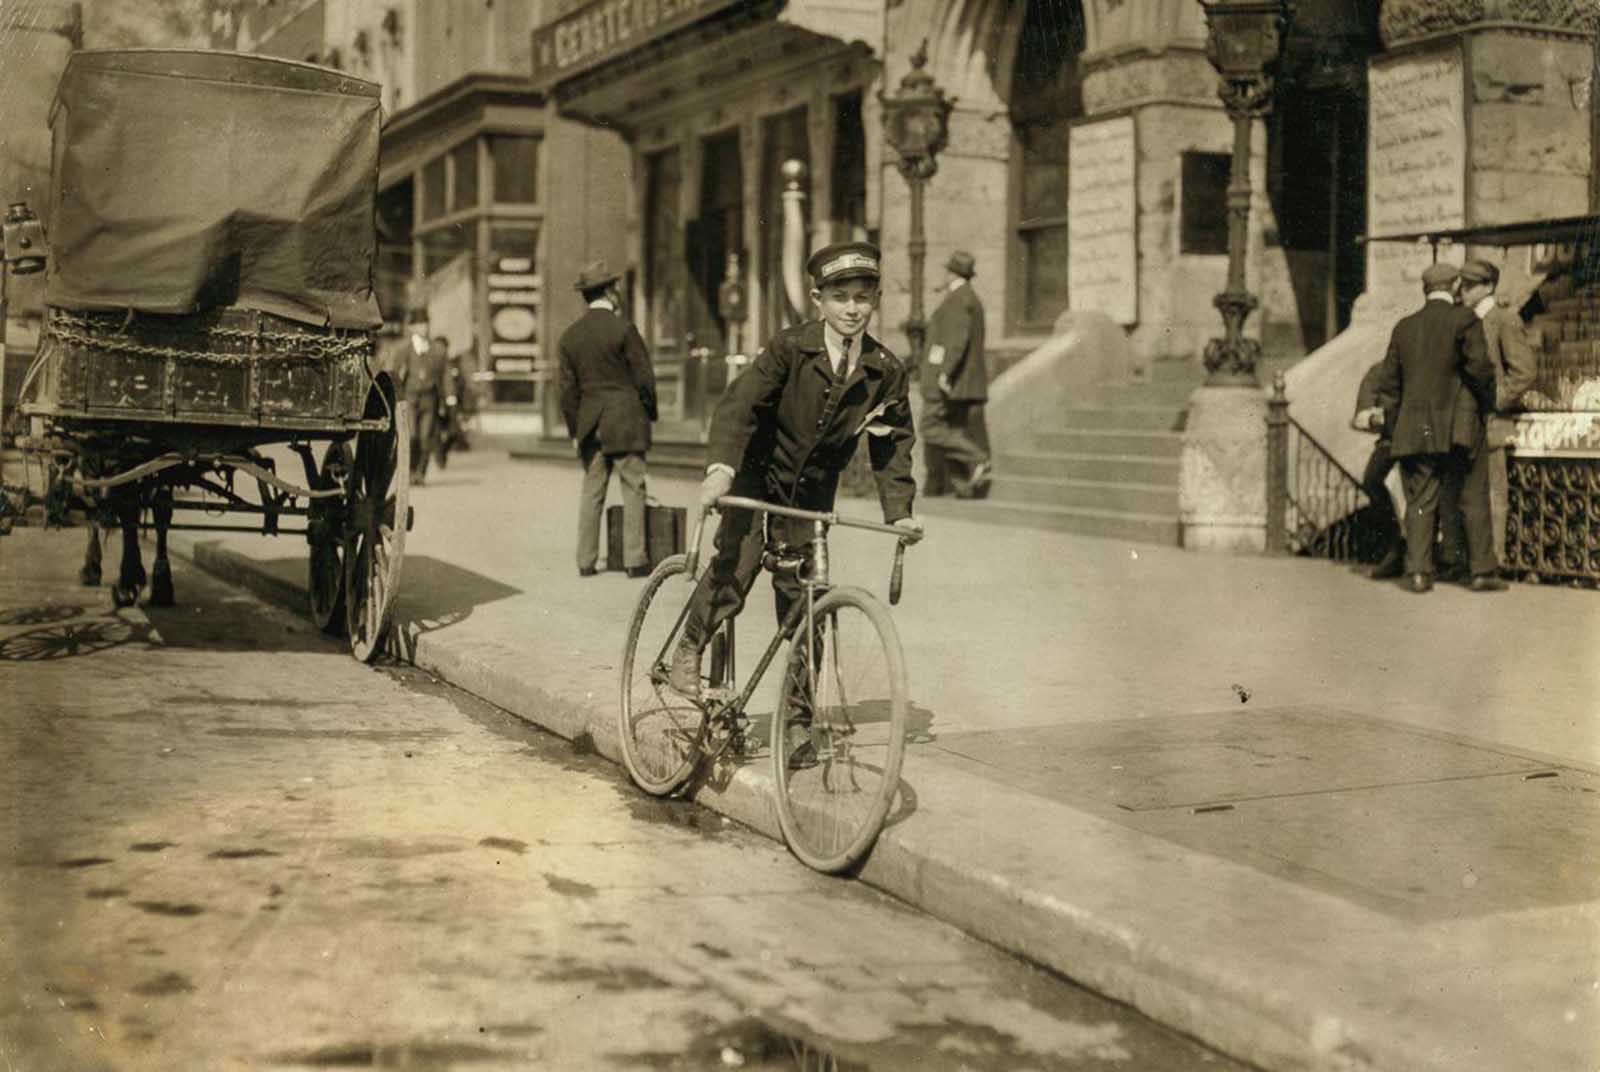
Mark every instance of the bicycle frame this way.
pixel 813 581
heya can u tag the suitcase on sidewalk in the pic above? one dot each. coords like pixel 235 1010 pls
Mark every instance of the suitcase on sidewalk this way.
pixel 665 531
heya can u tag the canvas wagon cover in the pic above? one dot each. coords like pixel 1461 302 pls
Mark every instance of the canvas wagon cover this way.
pixel 183 181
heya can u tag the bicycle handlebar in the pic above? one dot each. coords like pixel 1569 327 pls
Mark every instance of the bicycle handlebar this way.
pixel 739 502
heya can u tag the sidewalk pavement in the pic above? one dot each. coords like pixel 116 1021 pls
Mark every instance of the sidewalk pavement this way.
pixel 1311 819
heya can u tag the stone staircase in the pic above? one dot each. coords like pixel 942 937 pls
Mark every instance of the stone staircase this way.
pixel 1107 467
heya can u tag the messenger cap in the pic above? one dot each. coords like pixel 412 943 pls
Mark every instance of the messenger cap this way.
pixel 843 260
pixel 1439 275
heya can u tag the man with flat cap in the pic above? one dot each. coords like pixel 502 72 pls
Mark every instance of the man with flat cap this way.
pixel 784 432
pixel 608 398
pixel 1437 381
pixel 955 378
pixel 1515 370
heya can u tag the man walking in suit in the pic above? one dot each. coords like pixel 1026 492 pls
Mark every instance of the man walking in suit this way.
pixel 1437 381
pixel 1515 370
pixel 955 378
pixel 608 398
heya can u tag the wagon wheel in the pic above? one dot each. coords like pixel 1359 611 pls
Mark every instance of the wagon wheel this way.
pixel 378 500
pixel 325 534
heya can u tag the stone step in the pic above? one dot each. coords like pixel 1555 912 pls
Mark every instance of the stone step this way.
pixel 1122 418
pixel 1105 468
pixel 1112 441
pixel 1175 394
pixel 1116 496
pixel 1106 524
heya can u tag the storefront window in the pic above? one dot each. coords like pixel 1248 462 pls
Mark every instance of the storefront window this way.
pixel 516 168
pixel 433 189
pixel 464 162
pixel 1046 95
pixel 663 266
pixel 783 138
pixel 395 211
pixel 444 244
pixel 849 169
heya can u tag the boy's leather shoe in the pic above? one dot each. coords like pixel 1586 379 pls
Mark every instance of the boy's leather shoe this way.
pixel 1487 582
pixel 638 571
pixel 684 676
pixel 587 571
pixel 1419 583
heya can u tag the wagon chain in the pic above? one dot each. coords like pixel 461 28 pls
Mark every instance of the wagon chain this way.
pixel 244 465
pixel 77 329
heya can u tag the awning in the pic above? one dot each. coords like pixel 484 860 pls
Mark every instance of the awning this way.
pixel 604 56
pixel 1529 233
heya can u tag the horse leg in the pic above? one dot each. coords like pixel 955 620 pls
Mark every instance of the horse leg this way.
pixel 161 594
pixel 89 575
pixel 131 576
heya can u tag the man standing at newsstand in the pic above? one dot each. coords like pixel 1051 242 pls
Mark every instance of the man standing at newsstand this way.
pixel 784 432
pixel 608 398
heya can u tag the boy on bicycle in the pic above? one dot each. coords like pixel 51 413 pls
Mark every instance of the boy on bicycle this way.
pixel 784 432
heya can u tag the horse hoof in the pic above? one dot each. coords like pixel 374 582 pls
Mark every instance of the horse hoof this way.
pixel 123 596
pixel 161 594
pixel 89 578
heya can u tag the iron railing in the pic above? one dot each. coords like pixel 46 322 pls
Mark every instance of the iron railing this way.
pixel 1322 512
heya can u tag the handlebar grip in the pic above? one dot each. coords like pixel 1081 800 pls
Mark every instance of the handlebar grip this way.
pixel 898 574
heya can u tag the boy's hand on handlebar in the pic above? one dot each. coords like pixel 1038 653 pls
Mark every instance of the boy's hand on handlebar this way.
pixel 912 527
pixel 717 483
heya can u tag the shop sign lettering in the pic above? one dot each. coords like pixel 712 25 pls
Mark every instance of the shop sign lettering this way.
pixel 1102 235
pixel 1557 433
pixel 605 29
pixel 1417 165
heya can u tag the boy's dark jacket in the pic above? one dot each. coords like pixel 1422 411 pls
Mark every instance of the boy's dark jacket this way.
pixel 788 429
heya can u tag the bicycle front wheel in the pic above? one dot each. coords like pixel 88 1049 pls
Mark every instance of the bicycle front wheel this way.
pixel 838 738
pixel 659 728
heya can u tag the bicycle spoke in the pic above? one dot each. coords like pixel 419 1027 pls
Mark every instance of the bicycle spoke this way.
pixel 832 808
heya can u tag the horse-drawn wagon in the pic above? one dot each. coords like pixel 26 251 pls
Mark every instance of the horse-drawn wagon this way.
pixel 209 296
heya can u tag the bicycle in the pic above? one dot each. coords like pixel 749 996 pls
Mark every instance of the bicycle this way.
pixel 843 693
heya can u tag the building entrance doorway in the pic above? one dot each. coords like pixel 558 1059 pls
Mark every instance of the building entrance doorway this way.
pixel 715 236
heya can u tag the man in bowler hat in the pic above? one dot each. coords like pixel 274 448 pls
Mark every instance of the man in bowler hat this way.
pixel 784 432
pixel 1437 381
pixel 608 398
pixel 955 378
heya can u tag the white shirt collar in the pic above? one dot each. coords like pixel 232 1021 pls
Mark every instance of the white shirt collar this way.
pixel 603 303
pixel 955 284
pixel 835 344
pixel 1441 295
pixel 1485 303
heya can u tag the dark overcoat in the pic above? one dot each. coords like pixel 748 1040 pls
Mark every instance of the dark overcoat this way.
pixel 608 387
pixel 1436 380
pixel 957 325
pixel 788 428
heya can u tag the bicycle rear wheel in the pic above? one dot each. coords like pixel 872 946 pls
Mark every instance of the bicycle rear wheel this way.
pixel 659 729
pixel 838 738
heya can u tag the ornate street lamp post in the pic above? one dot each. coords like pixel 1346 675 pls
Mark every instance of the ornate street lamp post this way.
pixel 916 123
pixel 1244 41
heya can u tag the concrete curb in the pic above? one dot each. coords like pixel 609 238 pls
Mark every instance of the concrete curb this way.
pixel 1256 1004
